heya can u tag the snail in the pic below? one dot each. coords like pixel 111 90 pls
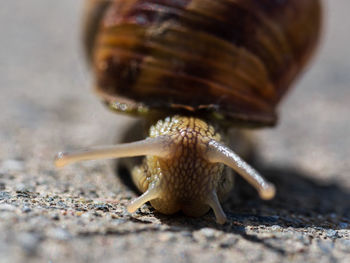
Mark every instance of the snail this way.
pixel 194 69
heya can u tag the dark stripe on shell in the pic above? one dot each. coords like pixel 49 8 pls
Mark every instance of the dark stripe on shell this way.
pixel 240 55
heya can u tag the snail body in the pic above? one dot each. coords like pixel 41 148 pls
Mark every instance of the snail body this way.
pixel 189 67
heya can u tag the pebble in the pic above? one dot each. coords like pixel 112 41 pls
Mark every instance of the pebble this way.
pixel 24 190
pixel 55 217
pixel 276 228
pixel 97 214
pixel 79 213
pixel 4 195
pixel 21 188
pixel 208 233
pixel 61 204
pixel 26 209
pixel 102 207
pixel 331 233
pixel 23 194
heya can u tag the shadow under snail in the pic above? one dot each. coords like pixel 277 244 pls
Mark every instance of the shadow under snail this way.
pixel 194 69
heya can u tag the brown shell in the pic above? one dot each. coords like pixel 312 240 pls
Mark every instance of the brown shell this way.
pixel 232 58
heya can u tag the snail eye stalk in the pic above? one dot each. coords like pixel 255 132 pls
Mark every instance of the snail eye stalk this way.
pixel 159 146
pixel 219 153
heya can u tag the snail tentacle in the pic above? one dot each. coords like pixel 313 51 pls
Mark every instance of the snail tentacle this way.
pixel 159 146
pixel 214 203
pixel 151 194
pixel 219 153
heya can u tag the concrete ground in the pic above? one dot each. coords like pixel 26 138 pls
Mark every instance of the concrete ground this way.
pixel 50 215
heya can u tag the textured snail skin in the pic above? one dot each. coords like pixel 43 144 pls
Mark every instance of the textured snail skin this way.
pixel 183 168
pixel 185 180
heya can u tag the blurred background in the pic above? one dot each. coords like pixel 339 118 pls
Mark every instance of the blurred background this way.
pixel 47 105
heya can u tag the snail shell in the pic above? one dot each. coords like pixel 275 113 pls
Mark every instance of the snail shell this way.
pixel 205 64
pixel 231 60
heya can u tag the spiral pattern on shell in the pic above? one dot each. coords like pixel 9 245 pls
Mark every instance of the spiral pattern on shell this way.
pixel 233 57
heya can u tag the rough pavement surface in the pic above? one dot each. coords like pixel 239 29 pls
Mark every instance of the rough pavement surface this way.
pixel 50 215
